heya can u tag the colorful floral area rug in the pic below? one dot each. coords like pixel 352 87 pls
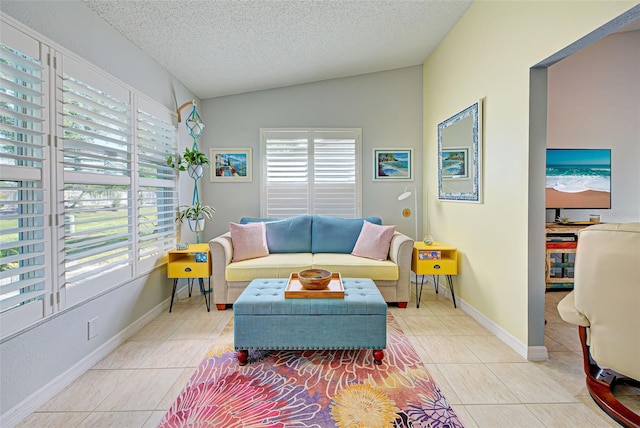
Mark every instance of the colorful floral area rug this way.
pixel 312 389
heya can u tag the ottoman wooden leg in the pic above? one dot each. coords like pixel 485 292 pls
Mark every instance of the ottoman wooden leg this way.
pixel 378 355
pixel 242 357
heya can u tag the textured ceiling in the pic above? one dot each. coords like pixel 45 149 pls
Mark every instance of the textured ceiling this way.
pixel 223 47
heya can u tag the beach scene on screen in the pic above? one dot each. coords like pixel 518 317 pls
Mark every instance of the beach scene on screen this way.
pixel 578 178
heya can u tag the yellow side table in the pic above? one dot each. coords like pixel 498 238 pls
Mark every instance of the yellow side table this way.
pixel 192 263
pixel 435 259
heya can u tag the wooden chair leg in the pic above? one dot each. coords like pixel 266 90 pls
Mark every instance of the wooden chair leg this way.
pixel 601 382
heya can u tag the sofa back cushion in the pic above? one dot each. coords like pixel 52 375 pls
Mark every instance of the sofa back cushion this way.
pixel 288 235
pixel 337 234
pixel 247 220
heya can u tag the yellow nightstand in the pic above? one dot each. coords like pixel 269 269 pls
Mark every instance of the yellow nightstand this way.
pixel 192 263
pixel 435 259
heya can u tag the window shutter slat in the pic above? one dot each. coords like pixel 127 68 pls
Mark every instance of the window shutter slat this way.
pixel 21 68
pixel 22 298
pixel 21 60
pixel 17 87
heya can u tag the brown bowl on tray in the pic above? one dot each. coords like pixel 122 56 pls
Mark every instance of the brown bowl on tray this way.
pixel 314 279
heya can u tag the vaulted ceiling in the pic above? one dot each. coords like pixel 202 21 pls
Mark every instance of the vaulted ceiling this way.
pixel 224 47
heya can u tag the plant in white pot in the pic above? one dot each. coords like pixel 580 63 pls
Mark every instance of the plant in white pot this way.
pixel 191 161
pixel 195 215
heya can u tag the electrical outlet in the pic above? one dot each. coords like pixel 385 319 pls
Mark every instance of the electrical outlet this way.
pixel 93 327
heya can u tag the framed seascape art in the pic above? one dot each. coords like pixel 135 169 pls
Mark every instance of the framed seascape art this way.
pixel 455 163
pixel 231 165
pixel 393 164
pixel 460 156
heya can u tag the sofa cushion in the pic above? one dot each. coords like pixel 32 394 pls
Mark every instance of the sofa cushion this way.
pixel 246 220
pixel 272 266
pixel 373 242
pixel 286 235
pixel 249 241
pixel 336 234
pixel 357 267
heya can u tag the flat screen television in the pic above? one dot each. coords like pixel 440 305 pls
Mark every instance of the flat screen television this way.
pixel 578 178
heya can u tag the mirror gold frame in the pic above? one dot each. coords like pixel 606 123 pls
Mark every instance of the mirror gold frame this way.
pixel 460 156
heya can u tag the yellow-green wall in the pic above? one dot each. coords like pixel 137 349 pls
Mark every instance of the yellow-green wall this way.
pixel 488 55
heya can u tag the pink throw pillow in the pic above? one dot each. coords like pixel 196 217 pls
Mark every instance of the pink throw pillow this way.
pixel 374 241
pixel 249 241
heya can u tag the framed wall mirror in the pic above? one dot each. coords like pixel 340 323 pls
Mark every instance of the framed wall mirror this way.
pixel 460 156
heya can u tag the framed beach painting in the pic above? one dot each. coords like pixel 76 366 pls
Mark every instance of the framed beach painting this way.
pixel 455 163
pixel 231 165
pixel 393 164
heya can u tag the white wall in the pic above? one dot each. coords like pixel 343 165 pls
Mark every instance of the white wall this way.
pixel 35 362
pixel 386 105
pixel 601 109
pixel 488 55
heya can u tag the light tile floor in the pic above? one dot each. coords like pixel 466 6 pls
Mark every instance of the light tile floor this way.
pixel 485 381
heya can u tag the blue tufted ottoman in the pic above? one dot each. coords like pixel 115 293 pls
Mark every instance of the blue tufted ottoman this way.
pixel 264 319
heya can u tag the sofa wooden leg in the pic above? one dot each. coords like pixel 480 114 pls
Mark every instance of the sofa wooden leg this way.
pixel 378 355
pixel 242 357
pixel 402 305
pixel 601 382
pixel 221 306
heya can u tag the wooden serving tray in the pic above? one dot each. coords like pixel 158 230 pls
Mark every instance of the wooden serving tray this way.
pixel 294 290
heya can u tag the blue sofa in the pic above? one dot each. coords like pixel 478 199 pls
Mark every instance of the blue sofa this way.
pixel 311 241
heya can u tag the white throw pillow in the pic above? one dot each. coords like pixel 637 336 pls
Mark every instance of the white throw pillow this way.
pixel 374 241
pixel 249 241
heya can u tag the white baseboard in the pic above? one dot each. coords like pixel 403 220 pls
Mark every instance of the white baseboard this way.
pixel 531 353
pixel 29 405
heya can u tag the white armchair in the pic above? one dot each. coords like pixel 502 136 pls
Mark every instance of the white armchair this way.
pixel 605 305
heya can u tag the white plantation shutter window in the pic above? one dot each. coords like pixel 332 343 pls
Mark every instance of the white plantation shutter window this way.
pixel 87 200
pixel 285 177
pixel 336 173
pixel 97 195
pixel 157 192
pixel 311 171
pixel 25 277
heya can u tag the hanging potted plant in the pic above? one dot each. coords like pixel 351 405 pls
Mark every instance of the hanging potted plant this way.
pixel 191 161
pixel 195 215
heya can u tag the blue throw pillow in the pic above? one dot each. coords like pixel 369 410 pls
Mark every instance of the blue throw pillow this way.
pixel 288 235
pixel 337 234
